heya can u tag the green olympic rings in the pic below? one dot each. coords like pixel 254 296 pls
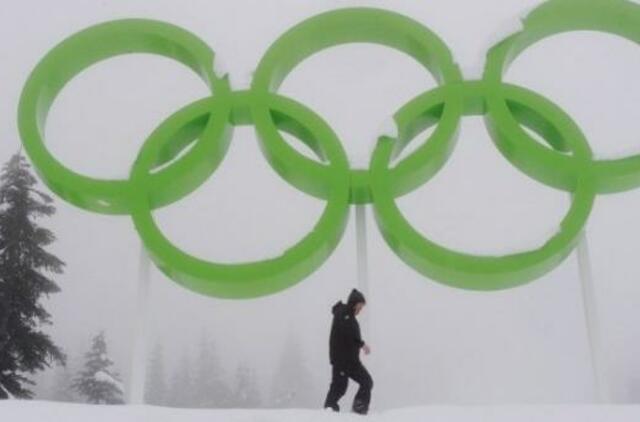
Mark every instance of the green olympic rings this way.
pixel 162 175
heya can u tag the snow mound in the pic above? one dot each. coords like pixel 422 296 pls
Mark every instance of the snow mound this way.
pixel 37 411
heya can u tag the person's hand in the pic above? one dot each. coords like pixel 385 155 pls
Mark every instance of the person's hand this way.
pixel 366 349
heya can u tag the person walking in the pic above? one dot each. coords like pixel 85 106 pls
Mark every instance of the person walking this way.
pixel 345 343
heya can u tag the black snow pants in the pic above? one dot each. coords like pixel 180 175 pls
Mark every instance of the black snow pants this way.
pixel 339 382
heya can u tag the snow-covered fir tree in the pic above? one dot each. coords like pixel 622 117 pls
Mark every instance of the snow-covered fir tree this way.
pixel 97 382
pixel 155 390
pixel 26 268
pixel 246 394
pixel 210 389
pixel 293 386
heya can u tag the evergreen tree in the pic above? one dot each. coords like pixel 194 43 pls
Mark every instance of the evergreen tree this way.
pixel 25 270
pixel 181 392
pixel 155 386
pixel 210 389
pixel 246 394
pixel 293 386
pixel 97 382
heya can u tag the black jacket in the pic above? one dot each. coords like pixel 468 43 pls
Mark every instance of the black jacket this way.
pixel 345 340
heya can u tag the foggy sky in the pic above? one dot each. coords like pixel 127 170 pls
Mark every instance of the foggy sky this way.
pixel 431 343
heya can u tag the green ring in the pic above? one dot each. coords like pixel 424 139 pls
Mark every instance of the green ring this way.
pixel 251 279
pixel 546 165
pixel 342 27
pixel 71 57
pixel 468 271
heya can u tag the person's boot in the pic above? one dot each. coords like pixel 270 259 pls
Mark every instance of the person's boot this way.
pixel 332 406
pixel 360 407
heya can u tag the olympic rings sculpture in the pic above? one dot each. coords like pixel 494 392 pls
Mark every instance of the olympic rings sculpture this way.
pixel 158 178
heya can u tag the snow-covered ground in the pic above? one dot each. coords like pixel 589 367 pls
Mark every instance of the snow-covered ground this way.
pixel 38 411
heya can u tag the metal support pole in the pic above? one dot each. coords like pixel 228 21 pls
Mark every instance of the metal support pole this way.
pixel 362 259
pixel 138 368
pixel 592 321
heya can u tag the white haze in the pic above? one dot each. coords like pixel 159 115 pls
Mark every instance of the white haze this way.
pixel 431 343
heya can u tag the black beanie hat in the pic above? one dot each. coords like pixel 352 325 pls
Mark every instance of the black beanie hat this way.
pixel 356 297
